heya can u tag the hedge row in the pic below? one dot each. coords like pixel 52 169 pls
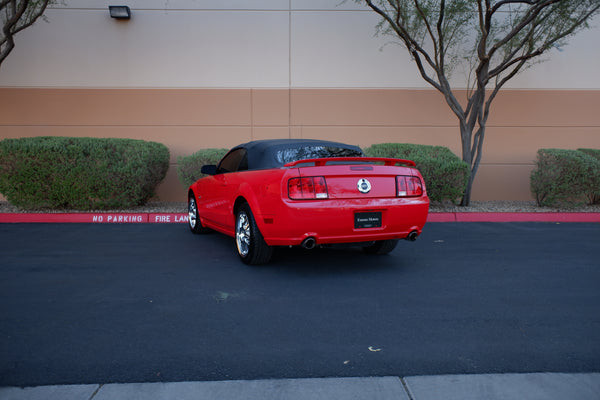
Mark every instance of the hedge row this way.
pixel 444 173
pixel 80 173
pixel 92 173
pixel 566 178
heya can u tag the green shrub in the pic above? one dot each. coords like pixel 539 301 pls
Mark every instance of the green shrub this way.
pixel 444 173
pixel 591 152
pixel 80 173
pixel 595 195
pixel 188 167
pixel 565 178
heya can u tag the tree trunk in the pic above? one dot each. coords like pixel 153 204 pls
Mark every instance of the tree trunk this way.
pixel 472 146
pixel 466 134
pixel 466 200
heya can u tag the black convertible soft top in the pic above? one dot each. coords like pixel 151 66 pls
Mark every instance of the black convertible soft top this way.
pixel 274 153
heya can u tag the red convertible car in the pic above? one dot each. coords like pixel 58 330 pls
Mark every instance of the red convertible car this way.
pixel 297 192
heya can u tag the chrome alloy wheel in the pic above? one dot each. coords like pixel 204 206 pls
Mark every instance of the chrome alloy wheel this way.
pixel 243 233
pixel 192 212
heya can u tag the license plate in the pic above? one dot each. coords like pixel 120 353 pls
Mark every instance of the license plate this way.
pixel 364 220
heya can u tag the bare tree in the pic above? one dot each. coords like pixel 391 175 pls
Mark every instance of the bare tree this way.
pixel 15 16
pixel 496 38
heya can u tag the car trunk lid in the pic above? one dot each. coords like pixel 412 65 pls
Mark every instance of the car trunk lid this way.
pixel 356 178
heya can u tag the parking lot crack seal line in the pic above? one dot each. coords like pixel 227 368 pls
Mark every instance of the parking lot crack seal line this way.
pixel 96 391
pixel 406 388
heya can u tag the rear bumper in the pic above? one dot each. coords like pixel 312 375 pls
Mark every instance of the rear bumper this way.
pixel 332 221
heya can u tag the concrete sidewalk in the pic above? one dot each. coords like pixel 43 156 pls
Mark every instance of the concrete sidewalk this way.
pixel 538 386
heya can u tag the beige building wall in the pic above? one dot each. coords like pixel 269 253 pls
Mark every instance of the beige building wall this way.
pixel 190 119
pixel 197 74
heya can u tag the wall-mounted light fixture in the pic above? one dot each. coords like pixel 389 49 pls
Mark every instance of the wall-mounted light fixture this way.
pixel 119 12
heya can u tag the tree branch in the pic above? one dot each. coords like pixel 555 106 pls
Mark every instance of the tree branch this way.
pixel 440 32
pixel 509 60
pixel 532 13
pixel 17 20
pixel 429 30
pixel 411 44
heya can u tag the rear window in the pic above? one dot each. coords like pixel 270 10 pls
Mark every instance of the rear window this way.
pixel 288 155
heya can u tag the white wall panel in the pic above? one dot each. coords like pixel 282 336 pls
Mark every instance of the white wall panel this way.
pixel 178 4
pixel 243 43
pixel 329 5
pixel 82 47
pixel 340 49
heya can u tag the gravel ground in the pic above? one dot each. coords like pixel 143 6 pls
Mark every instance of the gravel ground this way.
pixel 476 206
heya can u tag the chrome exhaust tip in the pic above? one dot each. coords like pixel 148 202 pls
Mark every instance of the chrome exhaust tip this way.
pixel 309 243
pixel 412 236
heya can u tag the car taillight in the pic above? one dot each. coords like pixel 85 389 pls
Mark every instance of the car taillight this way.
pixel 409 186
pixel 312 187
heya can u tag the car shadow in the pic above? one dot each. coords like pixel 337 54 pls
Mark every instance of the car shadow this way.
pixel 331 259
pixel 320 260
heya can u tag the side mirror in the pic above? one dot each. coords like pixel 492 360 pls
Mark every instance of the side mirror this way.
pixel 209 169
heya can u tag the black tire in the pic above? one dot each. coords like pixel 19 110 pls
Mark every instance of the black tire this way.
pixel 250 244
pixel 193 217
pixel 381 247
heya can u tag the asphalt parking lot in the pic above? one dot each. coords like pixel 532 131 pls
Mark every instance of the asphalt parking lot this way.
pixel 83 303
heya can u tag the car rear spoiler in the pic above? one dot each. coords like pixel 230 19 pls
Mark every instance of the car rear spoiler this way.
pixel 319 162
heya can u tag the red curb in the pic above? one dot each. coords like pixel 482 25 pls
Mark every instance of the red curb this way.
pixel 513 217
pixel 167 218
pixel 441 217
pixel 529 217
pixel 92 218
